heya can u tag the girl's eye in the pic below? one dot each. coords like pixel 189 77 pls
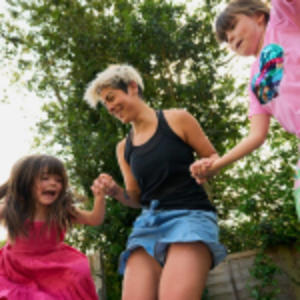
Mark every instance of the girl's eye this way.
pixel 232 25
pixel 57 178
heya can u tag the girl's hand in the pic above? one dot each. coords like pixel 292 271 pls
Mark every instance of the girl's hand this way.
pixel 97 188
pixel 202 169
pixel 107 185
pixel 95 216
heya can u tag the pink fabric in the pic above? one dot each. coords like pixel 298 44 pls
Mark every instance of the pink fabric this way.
pixel 283 29
pixel 42 267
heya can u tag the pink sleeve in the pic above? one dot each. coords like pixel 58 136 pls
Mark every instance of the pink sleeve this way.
pixel 287 9
pixel 255 108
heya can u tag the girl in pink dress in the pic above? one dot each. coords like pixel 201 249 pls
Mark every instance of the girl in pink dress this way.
pixel 35 263
pixel 273 37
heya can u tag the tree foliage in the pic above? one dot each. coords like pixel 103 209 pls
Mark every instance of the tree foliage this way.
pixel 66 42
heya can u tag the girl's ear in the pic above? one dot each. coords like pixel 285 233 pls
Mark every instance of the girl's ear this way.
pixel 261 18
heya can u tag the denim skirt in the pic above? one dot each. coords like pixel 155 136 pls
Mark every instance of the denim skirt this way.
pixel 154 230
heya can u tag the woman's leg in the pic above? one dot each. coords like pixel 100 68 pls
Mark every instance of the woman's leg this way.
pixel 141 278
pixel 185 272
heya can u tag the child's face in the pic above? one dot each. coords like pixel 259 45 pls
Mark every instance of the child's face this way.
pixel 47 188
pixel 245 37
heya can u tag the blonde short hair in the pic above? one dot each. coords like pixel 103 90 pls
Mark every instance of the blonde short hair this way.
pixel 115 76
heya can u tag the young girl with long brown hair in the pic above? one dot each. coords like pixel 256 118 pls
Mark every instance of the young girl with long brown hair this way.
pixel 35 263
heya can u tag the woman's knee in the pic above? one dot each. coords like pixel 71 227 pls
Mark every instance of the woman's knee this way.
pixel 185 272
pixel 141 278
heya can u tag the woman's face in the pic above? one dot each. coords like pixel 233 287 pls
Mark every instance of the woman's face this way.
pixel 118 103
pixel 245 37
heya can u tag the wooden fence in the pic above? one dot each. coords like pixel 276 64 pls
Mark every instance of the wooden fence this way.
pixel 98 275
pixel 231 279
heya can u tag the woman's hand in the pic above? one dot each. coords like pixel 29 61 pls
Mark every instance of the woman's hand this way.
pixel 106 184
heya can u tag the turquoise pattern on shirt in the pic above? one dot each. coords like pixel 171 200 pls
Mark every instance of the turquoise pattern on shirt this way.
pixel 265 84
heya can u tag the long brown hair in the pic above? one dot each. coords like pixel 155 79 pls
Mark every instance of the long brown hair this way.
pixel 245 7
pixel 19 205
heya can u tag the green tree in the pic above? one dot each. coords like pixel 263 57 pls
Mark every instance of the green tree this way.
pixel 66 42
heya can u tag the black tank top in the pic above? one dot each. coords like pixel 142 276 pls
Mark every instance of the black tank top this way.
pixel 161 168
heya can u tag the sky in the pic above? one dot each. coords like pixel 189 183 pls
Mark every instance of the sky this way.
pixel 17 125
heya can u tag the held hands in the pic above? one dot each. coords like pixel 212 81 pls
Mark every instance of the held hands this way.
pixel 203 168
pixel 97 189
pixel 105 185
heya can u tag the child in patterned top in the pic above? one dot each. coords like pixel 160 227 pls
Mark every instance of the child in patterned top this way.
pixel 273 37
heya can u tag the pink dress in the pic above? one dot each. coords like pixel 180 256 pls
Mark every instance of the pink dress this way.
pixel 42 267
